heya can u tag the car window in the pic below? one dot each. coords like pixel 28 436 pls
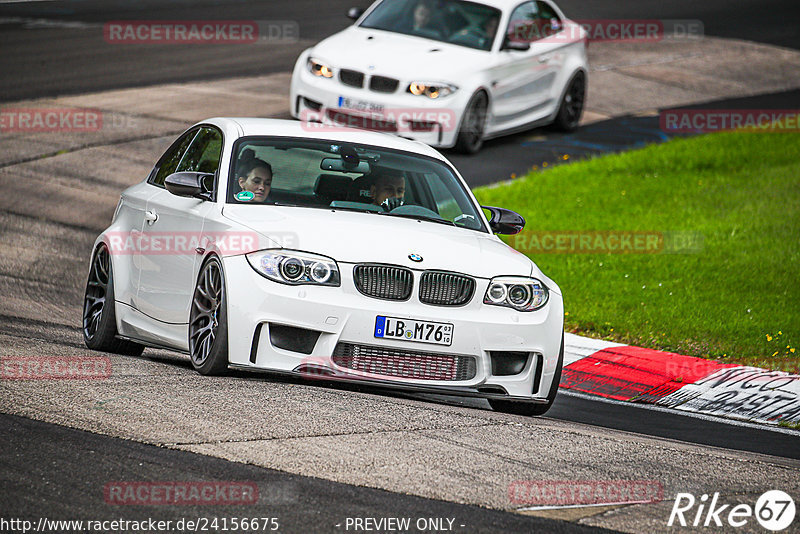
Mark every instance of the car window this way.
pixel 551 22
pixel 532 21
pixel 169 161
pixel 334 175
pixel 204 152
pixel 457 22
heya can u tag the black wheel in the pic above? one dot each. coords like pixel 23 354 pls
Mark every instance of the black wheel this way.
pixel 526 408
pixel 571 107
pixel 99 318
pixel 470 136
pixel 208 326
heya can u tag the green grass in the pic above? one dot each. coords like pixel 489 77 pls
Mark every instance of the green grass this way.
pixel 737 300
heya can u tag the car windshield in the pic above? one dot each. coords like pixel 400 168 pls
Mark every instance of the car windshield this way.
pixel 346 176
pixel 450 21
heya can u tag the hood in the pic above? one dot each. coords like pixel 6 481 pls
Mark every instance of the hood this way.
pixel 406 57
pixel 352 237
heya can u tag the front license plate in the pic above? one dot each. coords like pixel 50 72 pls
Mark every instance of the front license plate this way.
pixel 360 105
pixel 411 330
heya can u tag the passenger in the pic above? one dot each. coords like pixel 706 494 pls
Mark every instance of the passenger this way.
pixel 423 21
pixel 254 175
pixel 388 189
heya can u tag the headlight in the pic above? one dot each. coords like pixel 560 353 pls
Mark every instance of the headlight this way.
pixel 431 89
pixel 295 268
pixel 522 294
pixel 319 69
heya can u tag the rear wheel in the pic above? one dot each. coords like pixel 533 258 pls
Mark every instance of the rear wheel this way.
pixel 571 108
pixel 470 136
pixel 526 408
pixel 208 326
pixel 99 317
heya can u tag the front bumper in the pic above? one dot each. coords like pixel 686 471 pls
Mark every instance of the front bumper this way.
pixel 343 315
pixel 432 121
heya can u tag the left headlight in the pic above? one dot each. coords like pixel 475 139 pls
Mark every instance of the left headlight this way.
pixel 522 294
pixel 295 268
pixel 318 68
pixel 431 89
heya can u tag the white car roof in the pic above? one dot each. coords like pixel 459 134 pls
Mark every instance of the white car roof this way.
pixel 250 126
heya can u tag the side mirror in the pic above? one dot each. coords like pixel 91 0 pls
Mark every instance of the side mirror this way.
pixel 355 13
pixel 521 46
pixel 189 184
pixel 505 221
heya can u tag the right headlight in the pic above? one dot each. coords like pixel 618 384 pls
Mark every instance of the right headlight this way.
pixel 431 89
pixel 519 293
pixel 320 69
pixel 295 268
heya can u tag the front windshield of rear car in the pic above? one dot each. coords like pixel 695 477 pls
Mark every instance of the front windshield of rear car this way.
pixel 267 171
pixel 450 21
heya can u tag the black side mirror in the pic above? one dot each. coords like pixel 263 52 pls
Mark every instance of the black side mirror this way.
pixel 355 13
pixel 505 221
pixel 521 46
pixel 189 184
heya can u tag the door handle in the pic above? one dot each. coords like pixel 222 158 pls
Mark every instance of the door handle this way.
pixel 150 216
pixel 545 58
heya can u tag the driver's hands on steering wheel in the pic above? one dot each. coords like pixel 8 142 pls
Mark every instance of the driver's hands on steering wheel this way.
pixel 391 203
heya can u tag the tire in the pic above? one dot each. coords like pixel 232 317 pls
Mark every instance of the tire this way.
pixel 570 109
pixel 99 323
pixel 527 408
pixel 470 136
pixel 208 321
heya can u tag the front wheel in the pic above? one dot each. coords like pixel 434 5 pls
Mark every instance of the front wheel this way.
pixel 208 325
pixel 571 107
pixel 526 408
pixel 99 317
pixel 470 136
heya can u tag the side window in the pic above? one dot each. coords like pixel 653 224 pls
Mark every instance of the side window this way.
pixel 204 152
pixel 549 19
pixel 522 25
pixel 169 161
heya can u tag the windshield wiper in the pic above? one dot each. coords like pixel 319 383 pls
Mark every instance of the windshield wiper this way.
pixel 420 217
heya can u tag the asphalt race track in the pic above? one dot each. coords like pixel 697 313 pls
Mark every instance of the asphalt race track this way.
pixel 335 451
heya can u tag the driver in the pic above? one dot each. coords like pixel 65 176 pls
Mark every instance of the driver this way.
pixel 388 189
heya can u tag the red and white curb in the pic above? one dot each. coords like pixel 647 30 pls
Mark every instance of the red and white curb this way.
pixel 633 374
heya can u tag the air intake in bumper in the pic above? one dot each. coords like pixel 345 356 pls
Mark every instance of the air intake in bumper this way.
pixel 401 363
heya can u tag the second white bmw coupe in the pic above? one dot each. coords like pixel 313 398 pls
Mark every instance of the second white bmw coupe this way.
pixel 450 73
pixel 266 245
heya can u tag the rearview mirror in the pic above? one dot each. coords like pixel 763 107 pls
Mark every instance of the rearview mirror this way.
pixel 189 184
pixel 355 13
pixel 341 165
pixel 505 221
pixel 520 46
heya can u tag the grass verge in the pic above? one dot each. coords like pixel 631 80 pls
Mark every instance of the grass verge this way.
pixel 733 296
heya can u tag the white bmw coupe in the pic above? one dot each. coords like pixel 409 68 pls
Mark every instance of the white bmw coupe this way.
pixel 450 73
pixel 263 244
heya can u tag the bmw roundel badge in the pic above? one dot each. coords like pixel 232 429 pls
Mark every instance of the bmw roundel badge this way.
pixel 415 257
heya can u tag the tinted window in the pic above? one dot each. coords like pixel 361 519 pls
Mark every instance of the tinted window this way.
pixel 204 152
pixel 452 21
pixel 532 21
pixel 172 157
